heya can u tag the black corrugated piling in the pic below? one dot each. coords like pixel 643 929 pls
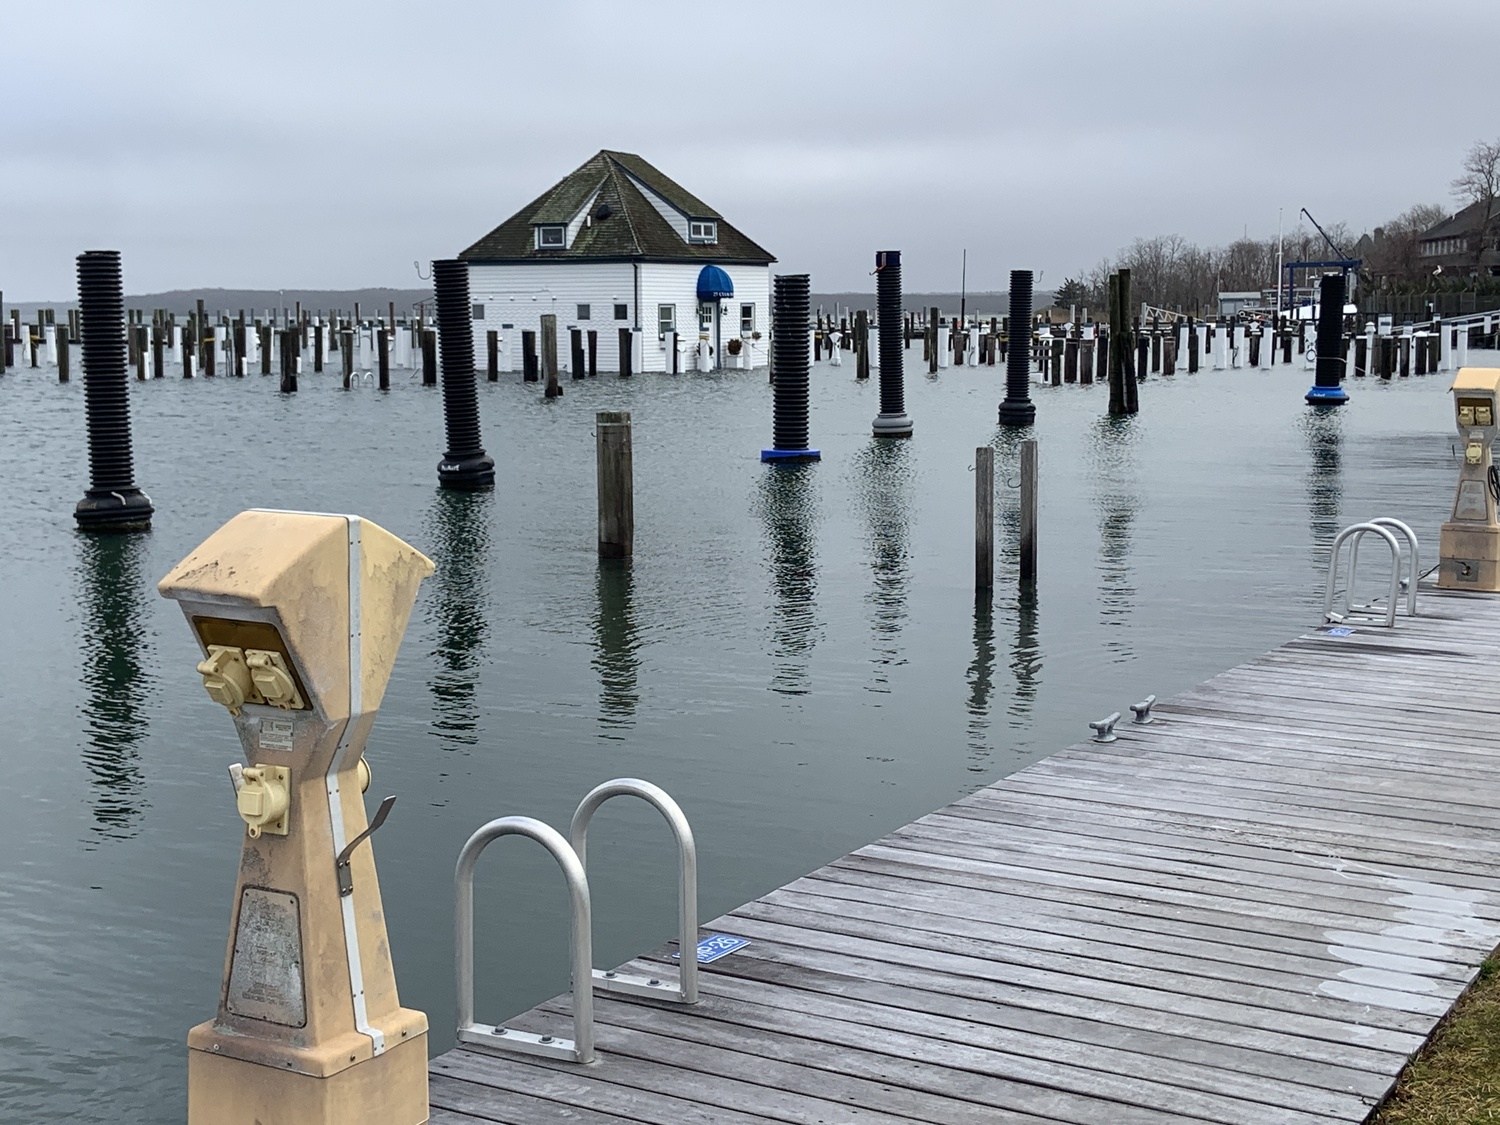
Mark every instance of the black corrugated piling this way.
pixel 1018 409
pixel 466 465
pixel 790 347
pixel 892 420
pixel 1329 371
pixel 113 502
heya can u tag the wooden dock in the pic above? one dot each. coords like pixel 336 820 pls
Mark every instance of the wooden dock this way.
pixel 1252 910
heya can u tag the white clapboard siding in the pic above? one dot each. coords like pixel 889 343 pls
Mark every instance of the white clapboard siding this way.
pixel 672 283
pixel 518 295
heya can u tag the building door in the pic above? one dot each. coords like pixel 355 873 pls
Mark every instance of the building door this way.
pixel 708 328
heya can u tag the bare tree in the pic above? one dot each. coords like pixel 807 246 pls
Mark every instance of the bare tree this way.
pixel 1478 185
pixel 1393 253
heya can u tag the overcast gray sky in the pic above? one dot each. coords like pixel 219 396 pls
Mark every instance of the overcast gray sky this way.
pixel 325 144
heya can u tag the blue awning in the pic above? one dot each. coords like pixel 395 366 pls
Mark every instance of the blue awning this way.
pixel 714 283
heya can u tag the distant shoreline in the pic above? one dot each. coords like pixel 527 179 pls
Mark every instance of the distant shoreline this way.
pixel 378 300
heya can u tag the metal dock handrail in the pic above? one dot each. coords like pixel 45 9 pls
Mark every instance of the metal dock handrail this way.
pixel 1356 532
pixel 581 1047
pixel 686 991
pixel 1416 559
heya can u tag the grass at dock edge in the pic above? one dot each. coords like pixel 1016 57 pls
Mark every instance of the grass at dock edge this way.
pixel 1455 1078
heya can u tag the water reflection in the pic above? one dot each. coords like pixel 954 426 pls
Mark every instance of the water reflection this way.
pixel 115 641
pixel 788 509
pixel 1117 499
pixel 981 679
pixel 884 479
pixel 458 526
pixel 616 644
pixel 1026 650
pixel 1025 660
pixel 1323 429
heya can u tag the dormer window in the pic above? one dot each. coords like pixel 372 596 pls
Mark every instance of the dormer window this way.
pixel 551 237
pixel 702 230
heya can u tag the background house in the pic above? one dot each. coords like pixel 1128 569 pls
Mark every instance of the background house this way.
pixel 1454 244
pixel 617 244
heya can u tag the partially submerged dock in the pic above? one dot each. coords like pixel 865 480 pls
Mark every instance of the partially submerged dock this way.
pixel 1253 909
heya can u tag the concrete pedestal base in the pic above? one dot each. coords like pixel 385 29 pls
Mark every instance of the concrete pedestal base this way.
pixel 1469 557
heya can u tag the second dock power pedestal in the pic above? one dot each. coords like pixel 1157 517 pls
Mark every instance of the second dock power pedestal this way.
pixel 1469 544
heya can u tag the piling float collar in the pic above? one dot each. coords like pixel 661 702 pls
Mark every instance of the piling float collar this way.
pixel 791 456
pixel 1326 396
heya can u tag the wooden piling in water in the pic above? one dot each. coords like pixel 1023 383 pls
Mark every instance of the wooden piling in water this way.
pixel 862 344
pixel 348 358
pixel 575 350
pixel 429 357
pixel 528 357
pixel 616 484
pixel 549 355
pixel 984 521
pixel 627 357
pixel 593 336
pixel 1028 511
pixel 492 355
pixel 383 357
pixel 289 361
pixel 60 344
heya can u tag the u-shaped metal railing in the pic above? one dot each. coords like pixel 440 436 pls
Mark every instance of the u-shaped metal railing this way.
pixel 686 991
pixel 581 1047
pixel 1356 532
pixel 1416 558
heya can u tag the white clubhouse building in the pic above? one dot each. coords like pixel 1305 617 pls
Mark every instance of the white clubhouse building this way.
pixel 615 245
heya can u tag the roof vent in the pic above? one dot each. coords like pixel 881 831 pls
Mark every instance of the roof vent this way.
pixel 603 211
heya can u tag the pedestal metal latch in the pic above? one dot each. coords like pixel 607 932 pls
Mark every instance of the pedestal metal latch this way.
pixel 341 864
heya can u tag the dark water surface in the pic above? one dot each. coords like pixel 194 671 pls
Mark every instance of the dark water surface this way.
pixel 795 654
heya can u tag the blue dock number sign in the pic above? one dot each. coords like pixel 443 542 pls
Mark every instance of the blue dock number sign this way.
pixel 714 946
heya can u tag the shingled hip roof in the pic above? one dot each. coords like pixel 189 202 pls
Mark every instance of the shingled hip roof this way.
pixel 622 224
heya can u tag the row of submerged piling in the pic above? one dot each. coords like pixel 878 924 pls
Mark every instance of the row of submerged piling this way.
pixel 1121 351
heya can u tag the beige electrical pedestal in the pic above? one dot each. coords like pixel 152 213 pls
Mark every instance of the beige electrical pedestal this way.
pixel 299 617
pixel 1469 545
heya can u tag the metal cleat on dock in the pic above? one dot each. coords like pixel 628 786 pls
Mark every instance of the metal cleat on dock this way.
pixel 1104 729
pixel 1142 710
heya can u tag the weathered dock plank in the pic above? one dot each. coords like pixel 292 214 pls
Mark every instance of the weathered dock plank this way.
pixel 1252 909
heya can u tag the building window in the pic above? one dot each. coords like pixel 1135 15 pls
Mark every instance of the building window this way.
pixel 551 237
pixel 478 312
pixel 583 312
pixel 622 312
pixel 666 319
pixel 700 230
pixel 705 316
pixel 747 319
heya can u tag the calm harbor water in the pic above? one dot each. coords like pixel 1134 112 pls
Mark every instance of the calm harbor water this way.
pixel 795 654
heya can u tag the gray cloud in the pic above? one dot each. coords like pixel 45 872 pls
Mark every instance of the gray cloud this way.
pixel 331 144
